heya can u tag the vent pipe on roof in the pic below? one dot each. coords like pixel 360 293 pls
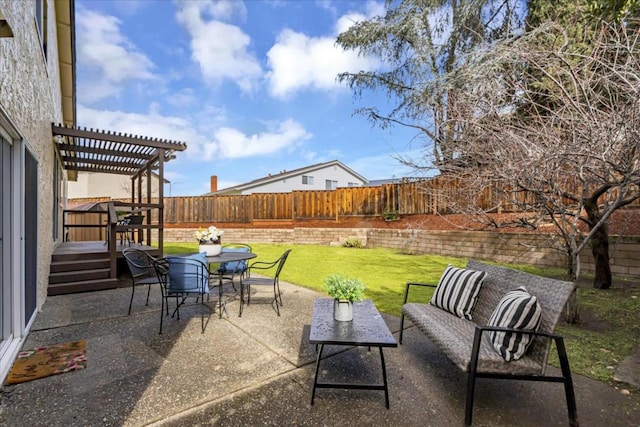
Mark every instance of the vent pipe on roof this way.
pixel 214 183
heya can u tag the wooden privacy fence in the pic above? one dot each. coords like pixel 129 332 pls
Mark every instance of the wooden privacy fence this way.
pixel 439 195
pixel 422 197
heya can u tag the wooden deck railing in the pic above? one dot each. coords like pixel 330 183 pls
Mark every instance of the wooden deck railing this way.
pixel 82 225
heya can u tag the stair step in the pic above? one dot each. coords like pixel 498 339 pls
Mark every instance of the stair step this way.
pixel 62 257
pixel 79 265
pixel 83 286
pixel 79 276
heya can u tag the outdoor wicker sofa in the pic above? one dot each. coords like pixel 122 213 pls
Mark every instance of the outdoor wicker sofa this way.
pixel 467 342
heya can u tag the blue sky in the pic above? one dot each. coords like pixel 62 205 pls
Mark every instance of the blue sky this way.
pixel 249 86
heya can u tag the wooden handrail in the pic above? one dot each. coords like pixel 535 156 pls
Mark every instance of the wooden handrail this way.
pixel 112 228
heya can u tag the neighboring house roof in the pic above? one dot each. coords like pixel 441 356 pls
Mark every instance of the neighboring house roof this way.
pixel 287 174
pixel 402 180
pixel 377 182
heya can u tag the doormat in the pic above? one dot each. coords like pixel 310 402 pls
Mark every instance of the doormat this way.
pixel 45 361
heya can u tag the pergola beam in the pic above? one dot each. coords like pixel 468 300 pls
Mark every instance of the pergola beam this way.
pixel 103 151
pixel 117 137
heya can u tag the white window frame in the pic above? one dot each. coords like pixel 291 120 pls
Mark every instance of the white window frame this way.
pixel 330 184
pixel 307 179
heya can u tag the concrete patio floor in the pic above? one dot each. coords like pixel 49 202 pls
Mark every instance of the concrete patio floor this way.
pixel 258 370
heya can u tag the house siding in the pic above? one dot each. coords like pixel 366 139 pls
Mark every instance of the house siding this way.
pixel 294 182
pixel 30 99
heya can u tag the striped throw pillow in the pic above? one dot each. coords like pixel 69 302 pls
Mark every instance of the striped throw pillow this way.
pixel 518 309
pixel 457 291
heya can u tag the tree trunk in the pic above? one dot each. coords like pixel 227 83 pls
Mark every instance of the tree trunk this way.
pixel 572 315
pixel 599 248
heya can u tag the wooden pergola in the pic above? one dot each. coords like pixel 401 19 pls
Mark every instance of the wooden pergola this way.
pixel 89 150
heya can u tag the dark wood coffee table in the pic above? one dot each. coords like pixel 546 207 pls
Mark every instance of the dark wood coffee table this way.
pixel 367 328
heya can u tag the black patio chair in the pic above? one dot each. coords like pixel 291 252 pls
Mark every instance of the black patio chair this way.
pixel 181 278
pixel 143 272
pixel 130 233
pixel 248 281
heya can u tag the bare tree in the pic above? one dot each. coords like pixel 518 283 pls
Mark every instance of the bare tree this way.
pixel 558 128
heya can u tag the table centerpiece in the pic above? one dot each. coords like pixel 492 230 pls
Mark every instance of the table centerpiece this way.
pixel 209 240
pixel 344 291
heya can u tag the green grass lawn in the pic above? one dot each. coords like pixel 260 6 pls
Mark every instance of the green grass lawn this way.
pixel 594 348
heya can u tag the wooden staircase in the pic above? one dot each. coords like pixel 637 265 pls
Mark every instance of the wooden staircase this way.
pixel 79 272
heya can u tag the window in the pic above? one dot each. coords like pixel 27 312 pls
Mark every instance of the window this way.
pixel 353 184
pixel 41 23
pixel 307 179
pixel 331 185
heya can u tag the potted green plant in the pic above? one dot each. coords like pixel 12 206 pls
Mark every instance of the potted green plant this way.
pixel 344 291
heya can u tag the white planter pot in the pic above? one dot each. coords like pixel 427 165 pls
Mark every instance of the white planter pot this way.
pixel 210 249
pixel 342 310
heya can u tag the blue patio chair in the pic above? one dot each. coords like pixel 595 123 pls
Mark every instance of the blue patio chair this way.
pixel 181 278
pixel 230 270
pixel 257 267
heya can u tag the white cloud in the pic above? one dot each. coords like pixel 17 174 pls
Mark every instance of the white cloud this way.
pixel 220 49
pixel 108 56
pixel 298 61
pixel 152 124
pixel 226 9
pixel 231 143
pixel 347 20
pixel 226 142
pixel 183 98
pixel 327 5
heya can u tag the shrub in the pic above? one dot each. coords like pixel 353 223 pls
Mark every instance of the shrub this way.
pixel 391 215
pixel 352 242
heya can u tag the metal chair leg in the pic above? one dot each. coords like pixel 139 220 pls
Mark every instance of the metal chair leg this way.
pixel 471 378
pixel 568 383
pixel 133 290
pixel 162 313
pixel 148 293
pixel 275 299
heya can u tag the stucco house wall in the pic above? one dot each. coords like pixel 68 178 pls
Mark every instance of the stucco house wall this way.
pixel 102 185
pixel 30 100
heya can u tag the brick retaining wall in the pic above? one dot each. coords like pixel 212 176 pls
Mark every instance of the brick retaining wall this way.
pixel 499 247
